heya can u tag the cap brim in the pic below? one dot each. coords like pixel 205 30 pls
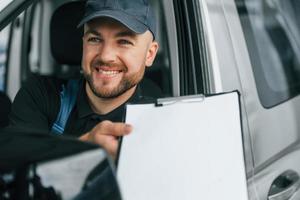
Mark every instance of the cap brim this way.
pixel 132 23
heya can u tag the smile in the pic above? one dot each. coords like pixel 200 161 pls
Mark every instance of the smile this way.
pixel 107 71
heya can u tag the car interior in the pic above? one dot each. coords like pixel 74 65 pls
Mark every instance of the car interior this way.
pixel 66 48
pixel 65 45
pixel 51 45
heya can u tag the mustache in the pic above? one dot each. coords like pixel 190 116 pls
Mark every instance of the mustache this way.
pixel 98 62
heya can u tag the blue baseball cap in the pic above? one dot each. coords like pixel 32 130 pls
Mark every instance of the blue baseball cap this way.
pixel 137 15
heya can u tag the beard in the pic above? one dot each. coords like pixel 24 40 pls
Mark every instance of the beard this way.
pixel 125 84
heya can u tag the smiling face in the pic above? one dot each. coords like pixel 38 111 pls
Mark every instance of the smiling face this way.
pixel 114 58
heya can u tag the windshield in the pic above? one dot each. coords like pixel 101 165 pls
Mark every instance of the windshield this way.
pixel 4 3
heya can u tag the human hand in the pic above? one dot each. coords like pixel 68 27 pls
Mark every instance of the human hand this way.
pixel 105 134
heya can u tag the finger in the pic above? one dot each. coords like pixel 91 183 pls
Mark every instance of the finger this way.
pixel 112 148
pixel 110 144
pixel 105 140
pixel 115 128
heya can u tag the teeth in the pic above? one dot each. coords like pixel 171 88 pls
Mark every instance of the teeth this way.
pixel 108 72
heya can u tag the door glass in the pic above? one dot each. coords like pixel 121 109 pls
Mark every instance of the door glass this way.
pixel 4 38
pixel 272 33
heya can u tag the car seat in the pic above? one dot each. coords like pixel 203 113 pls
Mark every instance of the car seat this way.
pixel 66 39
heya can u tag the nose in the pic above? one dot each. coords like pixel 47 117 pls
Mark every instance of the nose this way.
pixel 107 53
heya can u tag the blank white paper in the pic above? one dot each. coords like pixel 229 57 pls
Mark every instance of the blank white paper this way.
pixel 184 151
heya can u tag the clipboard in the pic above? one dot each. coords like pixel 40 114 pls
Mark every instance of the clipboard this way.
pixel 181 148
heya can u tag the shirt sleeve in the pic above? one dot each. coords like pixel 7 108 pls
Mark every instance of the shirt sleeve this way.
pixel 35 105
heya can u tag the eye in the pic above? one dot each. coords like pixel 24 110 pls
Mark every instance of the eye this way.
pixel 125 42
pixel 94 39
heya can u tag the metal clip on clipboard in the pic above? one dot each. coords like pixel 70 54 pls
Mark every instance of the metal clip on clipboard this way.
pixel 182 99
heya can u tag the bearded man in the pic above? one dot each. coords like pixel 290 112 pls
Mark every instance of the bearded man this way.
pixel 118 44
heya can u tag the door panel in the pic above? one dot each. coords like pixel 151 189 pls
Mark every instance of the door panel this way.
pixel 271 134
pixel 274 108
pixel 263 180
pixel 224 73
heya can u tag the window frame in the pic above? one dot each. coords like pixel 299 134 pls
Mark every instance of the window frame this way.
pixel 273 98
pixel 191 47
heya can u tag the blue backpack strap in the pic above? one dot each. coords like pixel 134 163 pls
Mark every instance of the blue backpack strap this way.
pixel 68 97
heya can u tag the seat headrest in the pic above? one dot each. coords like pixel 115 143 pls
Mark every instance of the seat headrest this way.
pixel 65 37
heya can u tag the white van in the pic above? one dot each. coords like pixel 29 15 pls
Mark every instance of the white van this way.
pixel 206 46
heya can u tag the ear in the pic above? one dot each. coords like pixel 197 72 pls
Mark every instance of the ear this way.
pixel 152 51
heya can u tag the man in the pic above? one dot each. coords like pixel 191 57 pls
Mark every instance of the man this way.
pixel 118 44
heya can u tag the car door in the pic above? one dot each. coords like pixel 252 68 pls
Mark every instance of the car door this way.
pixel 271 33
pixel 252 46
